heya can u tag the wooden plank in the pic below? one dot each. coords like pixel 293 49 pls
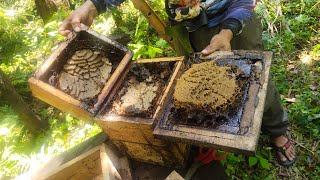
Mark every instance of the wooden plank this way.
pixel 109 164
pixel 112 81
pixel 113 166
pixel 174 176
pixel 65 157
pixel 240 143
pixel 51 62
pixel 125 168
pixel 109 41
pixel 84 167
pixel 58 99
pixel 137 130
pixel 257 120
pixel 166 94
pixel 163 59
pixel 249 110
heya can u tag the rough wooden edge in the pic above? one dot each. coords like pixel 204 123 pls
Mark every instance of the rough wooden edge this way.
pixel 224 140
pixel 163 59
pixel 47 63
pixel 114 118
pixel 174 176
pixel 165 97
pixel 58 99
pixel 125 168
pixel 69 164
pixel 256 126
pixel 112 80
pixel 114 90
pixel 109 169
pixel 64 157
pixel 109 41
pixel 114 167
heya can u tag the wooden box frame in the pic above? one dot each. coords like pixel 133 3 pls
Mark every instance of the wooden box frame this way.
pixel 240 143
pixel 96 158
pixel 134 136
pixel 43 90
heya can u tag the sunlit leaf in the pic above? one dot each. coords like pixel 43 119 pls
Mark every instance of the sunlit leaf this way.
pixel 253 161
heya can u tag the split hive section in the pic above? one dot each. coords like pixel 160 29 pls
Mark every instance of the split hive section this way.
pixel 130 118
pixel 84 74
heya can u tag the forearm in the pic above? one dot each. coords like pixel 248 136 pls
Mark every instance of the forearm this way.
pixel 103 5
pixel 238 13
pixel 227 34
pixel 92 10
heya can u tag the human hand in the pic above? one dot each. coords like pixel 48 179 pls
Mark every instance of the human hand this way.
pixel 219 42
pixel 85 14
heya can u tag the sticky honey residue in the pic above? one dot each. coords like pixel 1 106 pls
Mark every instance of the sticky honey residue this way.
pixel 84 74
pixel 138 98
pixel 206 86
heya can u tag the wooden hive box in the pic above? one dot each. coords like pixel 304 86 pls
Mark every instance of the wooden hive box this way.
pixel 137 136
pixel 132 133
pixel 43 82
pixel 241 137
pixel 96 158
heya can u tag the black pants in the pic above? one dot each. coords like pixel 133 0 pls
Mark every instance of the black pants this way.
pixel 275 118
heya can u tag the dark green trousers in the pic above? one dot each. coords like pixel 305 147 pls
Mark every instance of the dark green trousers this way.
pixel 275 118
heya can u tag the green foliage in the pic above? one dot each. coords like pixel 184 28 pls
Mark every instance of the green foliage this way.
pixel 145 43
pixel 253 161
pixel 24 43
pixel 289 24
pixel 20 150
pixel 291 31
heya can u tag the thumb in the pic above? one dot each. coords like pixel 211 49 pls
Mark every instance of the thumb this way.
pixel 76 24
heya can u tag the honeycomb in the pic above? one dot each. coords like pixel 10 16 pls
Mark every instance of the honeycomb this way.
pixel 138 97
pixel 206 87
pixel 84 74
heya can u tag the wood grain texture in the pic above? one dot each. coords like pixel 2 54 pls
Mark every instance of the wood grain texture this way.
pixel 103 161
pixel 164 59
pixel 159 155
pixel 58 99
pixel 167 92
pixel 112 81
pixel 137 130
pixel 113 166
pixel 51 62
pixel 85 166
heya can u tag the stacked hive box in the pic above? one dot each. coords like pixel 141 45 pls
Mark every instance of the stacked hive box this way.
pixel 133 134
pixel 65 81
